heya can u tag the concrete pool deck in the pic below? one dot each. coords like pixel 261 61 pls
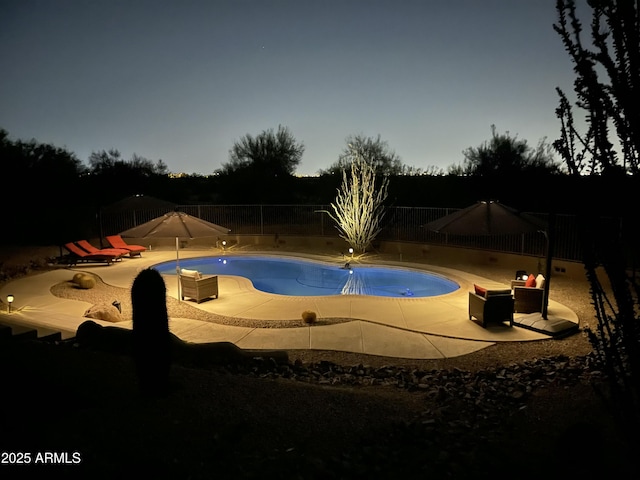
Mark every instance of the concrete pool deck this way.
pixel 412 328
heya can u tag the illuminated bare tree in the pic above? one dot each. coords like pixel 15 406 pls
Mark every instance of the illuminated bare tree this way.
pixel 358 209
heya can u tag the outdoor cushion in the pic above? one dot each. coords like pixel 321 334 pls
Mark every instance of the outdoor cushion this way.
pixel 540 281
pixel 190 273
pixel 483 292
pixel 531 281
pixel 503 291
pixel 480 290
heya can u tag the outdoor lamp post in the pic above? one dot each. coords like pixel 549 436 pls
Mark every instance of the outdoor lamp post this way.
pixel 351 251
pixel 224 244
pixel 9 302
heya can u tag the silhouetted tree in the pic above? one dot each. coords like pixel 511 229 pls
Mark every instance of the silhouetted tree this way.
pixel 112 178
pixel 111 163
pixel 373 151
pixel 269 154
pixel 43 179
pixel 506 155
pixel 607 85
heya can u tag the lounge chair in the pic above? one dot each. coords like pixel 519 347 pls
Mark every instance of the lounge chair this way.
pixel 118 252
pixel 78 255
pixel 116 241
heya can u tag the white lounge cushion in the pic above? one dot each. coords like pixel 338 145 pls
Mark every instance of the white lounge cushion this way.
pixel 540 281
pixel 190 273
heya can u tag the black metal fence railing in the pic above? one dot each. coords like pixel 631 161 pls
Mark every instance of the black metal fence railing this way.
pixel 405 224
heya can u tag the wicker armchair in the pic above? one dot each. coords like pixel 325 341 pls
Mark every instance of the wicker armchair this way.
pixel 199 289
pixel 527 299
pixel 492 308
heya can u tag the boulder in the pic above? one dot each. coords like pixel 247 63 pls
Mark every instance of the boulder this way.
pixel 84 280
pixel 104 311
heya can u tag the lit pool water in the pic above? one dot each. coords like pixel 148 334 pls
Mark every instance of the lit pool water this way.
pixel 296 277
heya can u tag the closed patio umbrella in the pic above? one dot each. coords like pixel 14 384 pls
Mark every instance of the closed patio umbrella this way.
pixel 178 225
pixel 494 218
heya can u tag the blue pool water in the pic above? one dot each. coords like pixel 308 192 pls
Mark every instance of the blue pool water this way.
pixel 285 276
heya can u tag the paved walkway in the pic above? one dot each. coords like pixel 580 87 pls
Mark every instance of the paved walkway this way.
pixel 413 328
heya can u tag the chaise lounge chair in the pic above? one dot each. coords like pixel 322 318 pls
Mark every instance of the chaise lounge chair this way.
pixel 118 252
pixel 78 255
pixel 116 241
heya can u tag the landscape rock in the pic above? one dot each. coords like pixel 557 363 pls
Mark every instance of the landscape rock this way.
pixel 84 281
pixel 104 311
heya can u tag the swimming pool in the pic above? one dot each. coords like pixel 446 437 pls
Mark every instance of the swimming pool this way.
pixel 287 276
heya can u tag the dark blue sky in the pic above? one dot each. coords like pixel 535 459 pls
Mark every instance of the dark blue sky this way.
pixel 183 80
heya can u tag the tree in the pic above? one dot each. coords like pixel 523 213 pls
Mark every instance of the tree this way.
pixel 506 155
pixel 607 85
pixel 373 151
pixel 114 177
pixel 111 163
pixel 269 154
pixel 358 209
pixel 50 176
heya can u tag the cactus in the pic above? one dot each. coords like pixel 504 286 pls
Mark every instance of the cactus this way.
pixel 151 343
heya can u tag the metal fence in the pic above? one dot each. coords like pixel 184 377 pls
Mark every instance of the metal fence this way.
pixel 406 224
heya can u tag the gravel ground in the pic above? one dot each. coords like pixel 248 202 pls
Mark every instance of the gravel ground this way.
pixel 519 409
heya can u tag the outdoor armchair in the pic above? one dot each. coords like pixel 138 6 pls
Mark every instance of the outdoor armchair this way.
pixel 491 306
pixel 528 296
pixel 527 299
pixel 198 287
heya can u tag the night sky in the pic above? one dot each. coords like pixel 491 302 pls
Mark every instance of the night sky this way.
pixel 183 80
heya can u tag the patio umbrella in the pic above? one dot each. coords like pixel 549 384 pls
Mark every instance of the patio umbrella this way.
pixel 178 225
pixel 134 209
pixel 486 218
pixel 494 218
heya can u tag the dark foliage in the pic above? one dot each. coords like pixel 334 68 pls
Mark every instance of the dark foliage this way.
pixel 268 155
pixel 606 86
pixel 373 151
pixel 507 155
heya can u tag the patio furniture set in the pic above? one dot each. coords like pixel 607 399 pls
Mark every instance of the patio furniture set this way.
pixel 499 305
